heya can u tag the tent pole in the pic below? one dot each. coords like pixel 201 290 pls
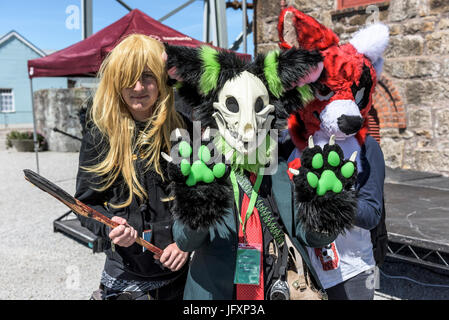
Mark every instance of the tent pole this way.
pixel 86 9
pixel 221 23
pixel 36 142
pixel 244 25
pixel 206 21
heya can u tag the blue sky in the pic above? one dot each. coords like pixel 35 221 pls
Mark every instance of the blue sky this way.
pixel 43 22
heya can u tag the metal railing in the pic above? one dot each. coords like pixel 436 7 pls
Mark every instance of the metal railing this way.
pixel 419 251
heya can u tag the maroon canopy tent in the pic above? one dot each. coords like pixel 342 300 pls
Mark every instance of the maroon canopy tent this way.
pixel 84 58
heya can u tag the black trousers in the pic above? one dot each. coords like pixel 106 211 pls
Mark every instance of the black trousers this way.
pixel 360 287
pixel 172 291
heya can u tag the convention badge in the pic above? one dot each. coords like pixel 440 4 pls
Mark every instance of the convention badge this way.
pixel 146 235
pixel 247 267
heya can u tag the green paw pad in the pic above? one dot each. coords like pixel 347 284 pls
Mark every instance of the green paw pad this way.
pixel 199 171
pixel 333 159
pixel 185 150
pixel 347 170
pixel 312 179
pixel 317 161
pixel 328 181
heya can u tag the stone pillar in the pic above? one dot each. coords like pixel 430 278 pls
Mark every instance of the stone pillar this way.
pixel 60 108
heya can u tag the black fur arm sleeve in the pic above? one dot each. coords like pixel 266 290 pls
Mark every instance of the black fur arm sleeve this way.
pixel 202 205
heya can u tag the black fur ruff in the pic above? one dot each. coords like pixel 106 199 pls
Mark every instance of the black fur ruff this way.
pixel 329 214
pixel 203 205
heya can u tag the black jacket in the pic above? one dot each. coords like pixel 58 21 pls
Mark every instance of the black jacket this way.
pixel 370 186
pixel 131 262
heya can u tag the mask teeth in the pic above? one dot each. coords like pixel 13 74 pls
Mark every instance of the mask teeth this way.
pixel 294 171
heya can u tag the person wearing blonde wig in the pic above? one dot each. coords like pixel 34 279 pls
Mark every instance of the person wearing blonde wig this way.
pixel 120 173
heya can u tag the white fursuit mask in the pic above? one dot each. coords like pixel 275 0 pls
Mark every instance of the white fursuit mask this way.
pixel 243 112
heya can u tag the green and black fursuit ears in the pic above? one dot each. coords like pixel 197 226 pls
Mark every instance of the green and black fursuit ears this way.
pixel 238 98
pixel 204 71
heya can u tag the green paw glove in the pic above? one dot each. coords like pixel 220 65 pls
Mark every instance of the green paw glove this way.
pixel 323 189
pixel 199 171
pixel 328 180
pixel 325 170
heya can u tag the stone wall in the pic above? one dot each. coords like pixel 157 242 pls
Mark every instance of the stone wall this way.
pixel 59 108
pixel 416 136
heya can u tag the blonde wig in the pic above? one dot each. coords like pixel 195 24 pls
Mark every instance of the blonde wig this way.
pixel 121 69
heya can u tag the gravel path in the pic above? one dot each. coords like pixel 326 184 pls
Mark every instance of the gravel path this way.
pixel 35 262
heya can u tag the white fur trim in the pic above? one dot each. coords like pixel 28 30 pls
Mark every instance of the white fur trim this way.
pixel 334 110
pixel 372 41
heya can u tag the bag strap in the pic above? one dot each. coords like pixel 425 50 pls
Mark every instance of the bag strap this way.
pixel 280 268
pixel 264 212
pixel 301 282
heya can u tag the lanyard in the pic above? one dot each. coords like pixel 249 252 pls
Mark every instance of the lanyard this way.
pixel 252 200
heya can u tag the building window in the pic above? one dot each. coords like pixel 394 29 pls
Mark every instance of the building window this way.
pixel 7 100
pixel 344 4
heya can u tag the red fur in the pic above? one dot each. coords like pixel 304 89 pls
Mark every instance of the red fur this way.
pixel 343 66
pixel 361 135
pixel 311 34
pixel 295 164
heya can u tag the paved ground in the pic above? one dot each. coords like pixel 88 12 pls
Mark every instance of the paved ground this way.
pixel 37 263
pixel 417 208
pixel 406 281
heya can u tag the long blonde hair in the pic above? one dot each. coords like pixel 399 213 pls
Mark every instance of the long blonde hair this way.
pixel 121 69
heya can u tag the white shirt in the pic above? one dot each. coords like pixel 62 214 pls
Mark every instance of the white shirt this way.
pixel 349 255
